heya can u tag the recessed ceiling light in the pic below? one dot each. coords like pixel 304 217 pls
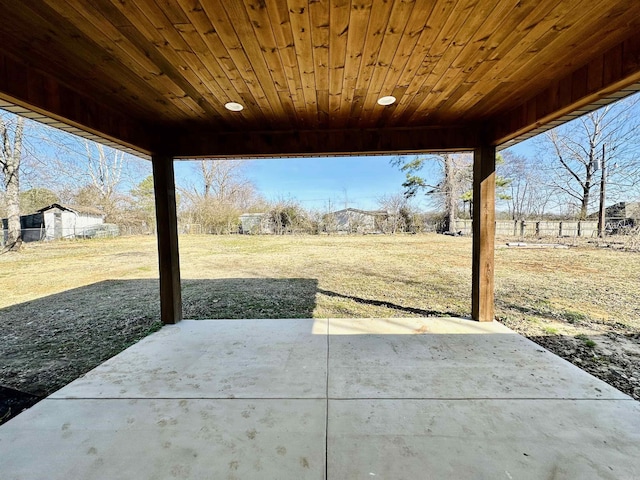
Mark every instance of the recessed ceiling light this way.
pixel 388 100
pixel 233 106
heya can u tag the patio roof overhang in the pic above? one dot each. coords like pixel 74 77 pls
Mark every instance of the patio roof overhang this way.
pixel 153 77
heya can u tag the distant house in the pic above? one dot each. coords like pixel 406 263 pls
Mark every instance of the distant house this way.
pixel 62 221
pixel 256 223
pixel 622 217
pixel 624 211
pixel 353 220
pixel 59 221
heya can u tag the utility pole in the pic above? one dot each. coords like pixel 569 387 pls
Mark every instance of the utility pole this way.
pixel 602 211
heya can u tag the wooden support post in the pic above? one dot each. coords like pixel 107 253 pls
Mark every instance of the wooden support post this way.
pixel 167 233
pixel 484 229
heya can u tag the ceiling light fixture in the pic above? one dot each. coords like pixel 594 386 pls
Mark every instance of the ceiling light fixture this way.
pixel 233 106
pixel 388 100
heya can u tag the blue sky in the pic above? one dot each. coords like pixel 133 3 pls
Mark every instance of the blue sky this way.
pixel 314 182
pixel 317 183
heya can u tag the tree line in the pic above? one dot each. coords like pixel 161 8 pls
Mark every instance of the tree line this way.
pixel 566 177
pixel 578 169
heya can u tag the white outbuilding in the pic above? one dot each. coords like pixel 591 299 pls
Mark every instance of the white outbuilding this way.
pixel 60 221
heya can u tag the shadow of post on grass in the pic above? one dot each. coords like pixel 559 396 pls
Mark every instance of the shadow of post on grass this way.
pixel 390 305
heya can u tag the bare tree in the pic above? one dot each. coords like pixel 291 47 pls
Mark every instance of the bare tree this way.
pixel 97 179
pixel 399 213
pixel 575 150
pixel 528 194
pixel 328 220
pixel 10 158
pixel 447 186
pixel 222 194
pixel 225 180
pixel 81 171
pixel 288 216
pixel 105 168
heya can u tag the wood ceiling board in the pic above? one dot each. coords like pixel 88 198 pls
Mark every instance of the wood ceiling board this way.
pixel 514 38
pixel 45 50
pixel 557 52
pixel 116 44
pixel 181 44
pixel 278 14
pixel 494 46
pixel 443 23
pixel 223 69
pixel 23 87
pixel 259 18
pixel 264 93
pixel 369 58
pixel 319 12
pixel 374 38
pixel 356 35
pixel 619 69
pixel 449 76
pixel 207 77
pixel 338 34
pixel 300 23
pixel 395 54
pixel 155 37
pixel 445 49
pixel 149 64
pixel 268 75
pixel 299 65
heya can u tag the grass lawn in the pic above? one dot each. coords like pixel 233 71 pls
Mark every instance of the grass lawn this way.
pixel 65 302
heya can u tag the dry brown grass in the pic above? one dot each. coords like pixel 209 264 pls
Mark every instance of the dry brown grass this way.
pixel 360 276
pixel 591 283
pixel 70 305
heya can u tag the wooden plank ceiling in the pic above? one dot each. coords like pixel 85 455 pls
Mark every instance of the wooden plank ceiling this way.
pixel 156 74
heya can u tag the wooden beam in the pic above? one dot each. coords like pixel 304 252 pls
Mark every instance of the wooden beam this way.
pixel 594 84
pixel 199 143
pixel 167 233
pixel 26 87
pixel 484 228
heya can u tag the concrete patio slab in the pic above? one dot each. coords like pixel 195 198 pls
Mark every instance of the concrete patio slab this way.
pixel 448 358
pixel 484 439
pixel 216 359
pixel 419 398
pixel 165 439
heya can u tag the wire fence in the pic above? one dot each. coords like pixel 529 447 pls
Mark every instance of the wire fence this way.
pixel 104 230
pixel 521 229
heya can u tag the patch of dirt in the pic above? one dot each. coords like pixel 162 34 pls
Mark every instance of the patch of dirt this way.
pixel 610 352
